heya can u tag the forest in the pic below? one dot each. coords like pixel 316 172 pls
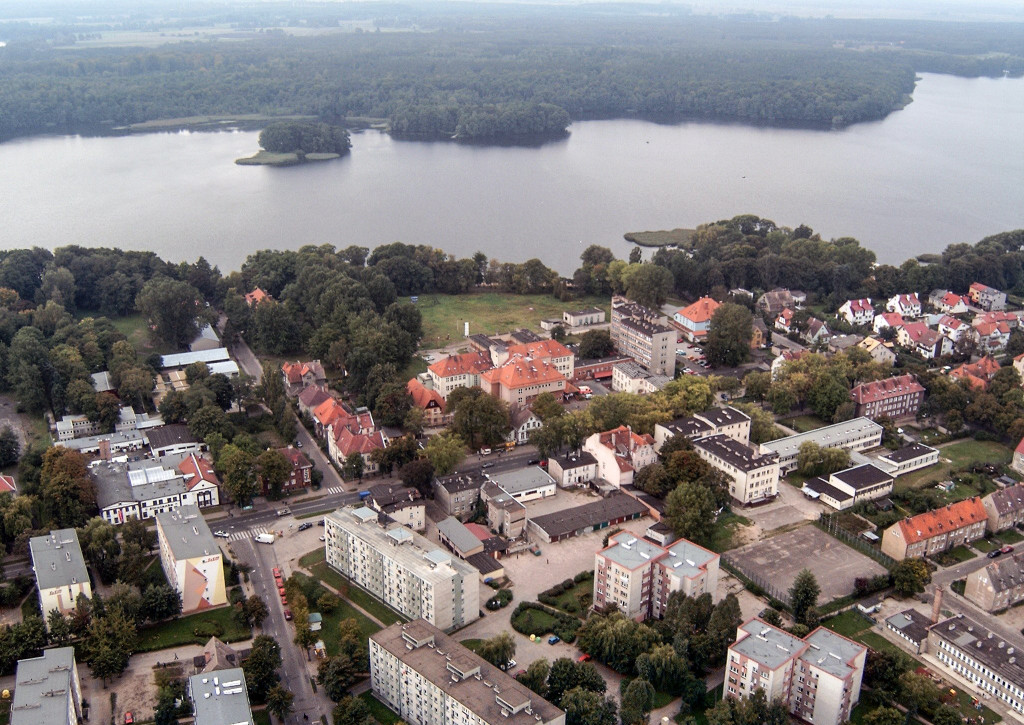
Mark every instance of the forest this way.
pixel 495 74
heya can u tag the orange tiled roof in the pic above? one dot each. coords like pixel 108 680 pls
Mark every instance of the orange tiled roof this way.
pixel 892 319
pixel 522 371
pixel 465 364
pixel 328 412
pixel 296 457
pixel 255 297
pixel 7 484
pixel 422 397
pixel 942 521
pixel 294 371
pixel 977 374
pixel 362 443
pixel 543 349
pixel 952 299
pixel 700 311
pixel 197 468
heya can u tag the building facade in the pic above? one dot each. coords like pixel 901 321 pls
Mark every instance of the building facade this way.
pixel 458 494
pixel 843 489
pixel 753 473
pixel 404 570
pixel 429 678
pixel 579 318
pixel 897 398
pixel 1005 508
pixel 935 531
pixel 859 434
pixel 572 469
pixel 998 585
pixel 858 312
pixel 985 297
pixel 714 421
pixel 620 453
pixel 696 318
pixel 191 559
pixel 61 575
pixel 643 335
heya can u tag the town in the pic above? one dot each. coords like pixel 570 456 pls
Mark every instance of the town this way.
pixel 631 504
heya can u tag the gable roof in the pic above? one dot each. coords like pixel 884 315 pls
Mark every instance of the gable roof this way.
pixel 941 521
pixel 892 319
pixel 362 443
pixel 256 296
pixel 313 395
pixel 294 372
pixel 977 374
pixel 1010 499
pixel 465 364
pixel 540 349
pixel 519 372
pixel 422 397
pixel 952 299
pixel 7 484
pixel 296 457
pixel 881 389
pixel 860 305
pixel 197 469
pixel 700 311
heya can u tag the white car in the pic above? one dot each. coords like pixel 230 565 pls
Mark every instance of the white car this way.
pixel 221 534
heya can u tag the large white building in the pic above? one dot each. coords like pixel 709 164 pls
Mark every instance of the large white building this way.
pixel 818 677
pixel 61 575
pixel 429 678
pixel 191 558
pixel 753 471
pixel 715 421
pixel 406 571
pixel 145 488
pixel 858 434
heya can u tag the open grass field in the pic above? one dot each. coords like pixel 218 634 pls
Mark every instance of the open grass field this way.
pixel 134 328
pixel 381 712
pixel 194 629
pixel 804 423
pixel 582 593
pixel 378 609
pixel 725 530
pixel 849 624
pixel 490 313
pixel 955 457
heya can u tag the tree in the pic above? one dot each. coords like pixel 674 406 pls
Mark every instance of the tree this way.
pixel 918 693
pixel 109 643
pixel 909 577
pixel 583 707
pixel 10 447
pixel 655 480
pixel 690 511
pixel 757 385
pixel 558 333
pixel 445 451
pixel 207 420
pixel 595 344
pixel 478 418
pixel 352 644
pixel 272 470
pixel 826 395
pixel 174 308
pixel 546 406
pixel 98 539
pixel 637 702
pixel 352 711
pixel 279 702
pixel 728 339
pixel 803 595
pixel 498 650
pixel 947 715
pixel 884 716
pixel 336 675
pixel 536 676
pixel 255 610
pixel 354 466
pixel 884 668
pixel 237 472
pixel 261 665
pixel 66 489
pixel 160 601
pixel 59 627
pixel 647 284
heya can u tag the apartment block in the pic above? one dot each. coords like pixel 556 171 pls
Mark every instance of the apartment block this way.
pixel 429 678
pixel 858 434
pixel 637 575
pixel 1005 508
pixel 458 494
pixel 985 297
pixel 47 690
pixel 897 398
pixel 191 558
pixel 998 585
pixel 60 571
pixel 727 421
pixel 643 335
pixel 754 473
pixel 980 656
pixel 818 677
pixel 935 531
pixel 406 571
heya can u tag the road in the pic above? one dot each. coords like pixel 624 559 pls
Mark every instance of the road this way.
pixel 293 671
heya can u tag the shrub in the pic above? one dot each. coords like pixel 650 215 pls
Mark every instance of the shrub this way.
pixel 583 576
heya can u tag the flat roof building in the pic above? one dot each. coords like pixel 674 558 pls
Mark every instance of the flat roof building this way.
pixel 843 489
pixel 191 558
pixel 184 359
pixel 47 690
pixel 143 489
pixel 59 566
pixel 428 678
pixel 404 570
pixel 526 484
pixel 220 698
pixel 589 517
pixel 713 421
pixel 858 434
pixel 911 626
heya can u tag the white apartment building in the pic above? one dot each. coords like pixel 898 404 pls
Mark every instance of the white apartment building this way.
pixel 429 678
pixel 406 571
pixel 818 677
pixel 643 335
pixel 858 434
pixel 637 575
pixel 191 558
pixel 715 421
pixel 754 471
pixel 59 566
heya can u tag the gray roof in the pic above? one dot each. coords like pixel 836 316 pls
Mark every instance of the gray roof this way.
pixel 827 437
pixel 1000 655
pixel 524 479
pixel 142 480
pixel 688 427
pixel 452 668
pixel 861 477
pixel 724 416
pixel 1008 500
pixel 208 334
pixel 911 623
pixel 767 645
pixel 831 652
pixel 57 559
pixel 460 482
pixel 187 533
pixel 457 533
pixel 568 461
pixel 117 440
pixel 740 455
pixel 1006 573
pixel 184 359
pixel 170 435
pixel 43 687
pixel 823 488
pixel 589 515
pixel 484 563
pixel 629 552
pixel 219 698
pixel 686 558
pixel 101 382
pixel 908 453
pixel 631 370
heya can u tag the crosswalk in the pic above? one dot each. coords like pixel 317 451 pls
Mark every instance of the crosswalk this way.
pixel 335 489
pixel 248 533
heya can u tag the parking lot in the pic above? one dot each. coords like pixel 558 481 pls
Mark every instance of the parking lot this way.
pixel 779 559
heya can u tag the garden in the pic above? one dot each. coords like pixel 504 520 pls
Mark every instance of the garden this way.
pixel 194 629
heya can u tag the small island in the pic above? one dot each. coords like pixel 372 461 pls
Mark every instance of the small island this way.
pixel 297 142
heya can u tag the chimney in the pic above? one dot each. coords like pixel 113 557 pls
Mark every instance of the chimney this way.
pixel 937 605
pixel 105 449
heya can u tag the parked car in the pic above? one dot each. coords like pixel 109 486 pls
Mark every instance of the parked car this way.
pixel 509 665
pixel 994 553
pixel 284 600
pixel 1007 550
pixel 288 614
pixel 485 451
pixel 488 464
pixel 323 538
pixel 298 444
pixel 221 534
pixel 321 522
pixel 284 512
pixel 305 525
pixel 554 639
pixel 533 462
pixel 520 672
pixel 280 590
pixel 277 572
pixel 584 658
pixel 129 718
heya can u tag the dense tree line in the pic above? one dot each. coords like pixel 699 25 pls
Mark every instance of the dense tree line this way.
pixel 289 136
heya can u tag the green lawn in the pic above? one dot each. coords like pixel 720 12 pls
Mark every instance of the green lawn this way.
pixel 328 576
pixel 960 455
pixel 804 423
pixel 313 557
pixel 539 618
pixel 134 327
pixel 877 642
pixel 1010 536
pixel 193 629
pixel 329 628
pixel 985 545
pixel 261 717
pixel 961 554
pixel 490 313
pixel 725 530
pixel 473 645
pixel 381 712
pixel 582 593
pixel 849 624
pixel 372 605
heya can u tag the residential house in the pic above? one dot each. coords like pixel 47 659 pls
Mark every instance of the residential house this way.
pixel 947 302
pixel 637 575
pixel 919 338
pixel 857 312
pixel 402 505
pixel 936 531
pixel 897 398
pixel 695 319
pixel 298 375
pixel 753 473
pixel 643 335
pixel 992 337
pixel 301 475
pixel 256 296
pixel 505 514
pixel 887 319
pixel 817 677
pixel 843 489
pixel 998 585
pixel 524 422
pixel 311 397
pixel 985 297
pixel 784 321
pixel 59 566
pixel 774 301
pixel 47 690
pixel 573 468
pixel 880 352
pixel 956 330
pixel 842 343
pixel 201 480
pixel 978 374
pixel 1005 507
pixel 620 452
pixel 521 379
pixel 430 402
pixel 457 495
pixel 143 489
pixel 816 332
pixel 458 371
pixel 7 485
pixel 905 305
pixel 191 559
pixel 1018 365
pixel 784 357
pixel 628 377
pixel 343 442
pixel 759 334
pixel 580 318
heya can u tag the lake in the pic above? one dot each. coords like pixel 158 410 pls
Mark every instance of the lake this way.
pixel 948 168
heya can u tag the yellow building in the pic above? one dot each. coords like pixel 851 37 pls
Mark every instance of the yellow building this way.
pixel 191 558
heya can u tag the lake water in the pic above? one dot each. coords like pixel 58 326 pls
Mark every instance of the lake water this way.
pixel 948 168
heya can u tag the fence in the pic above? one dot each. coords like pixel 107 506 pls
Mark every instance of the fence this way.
pixel 752 577
pixel 829 523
